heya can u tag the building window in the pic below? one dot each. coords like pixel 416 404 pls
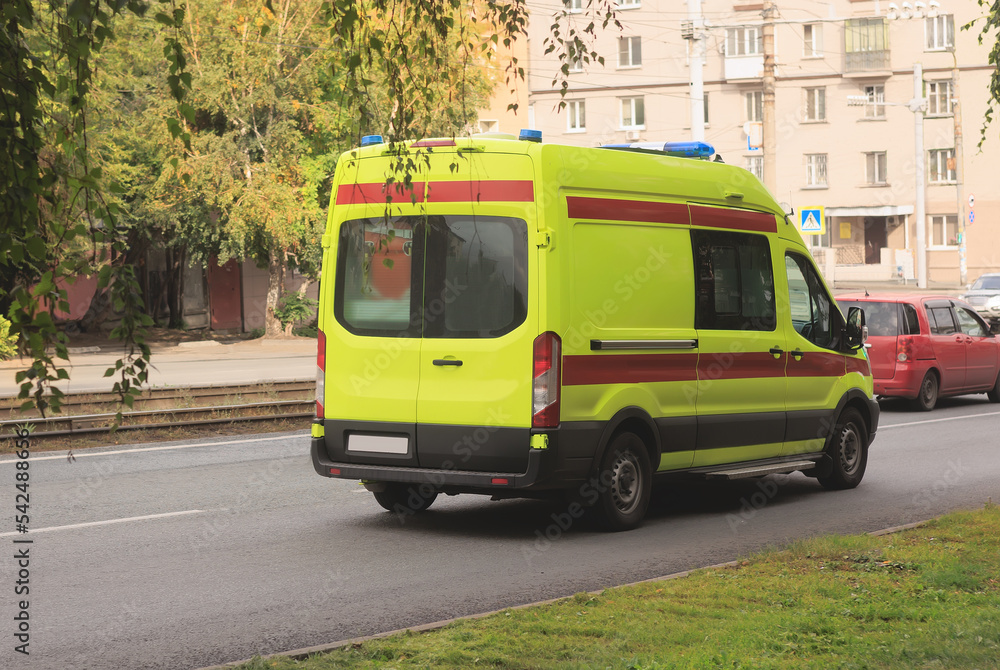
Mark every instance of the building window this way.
pixel 875 163
pixel 866 44
pixel 575 63
pixel 942 166
pixel 755 166
pixel 812 40
pixel 938 98
pixel 940 32
pixel 743 41
pixel 944 230
pixel 633 113
pixel 705 106
pixel 816 170
pixel 488 125
pixel 629 52
pixel 576 117
pixel 531 116
pixel 815 104
pixel 628 4
pixel 573 5
pixel 754 105
pixel 875 102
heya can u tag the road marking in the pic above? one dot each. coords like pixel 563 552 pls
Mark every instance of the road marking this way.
pixel 950 418
pixel 104 523
pixel 62 455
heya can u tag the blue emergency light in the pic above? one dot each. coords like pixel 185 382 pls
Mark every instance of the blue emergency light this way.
pixel 369 140
pixel 530 135
pixel 680 149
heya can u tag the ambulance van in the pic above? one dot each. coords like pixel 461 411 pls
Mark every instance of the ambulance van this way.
pixel 521 319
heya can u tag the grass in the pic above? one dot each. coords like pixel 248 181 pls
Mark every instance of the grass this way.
pixel 923 598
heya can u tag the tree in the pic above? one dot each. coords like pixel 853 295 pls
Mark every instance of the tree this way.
pixel 991 30
pixel 63 213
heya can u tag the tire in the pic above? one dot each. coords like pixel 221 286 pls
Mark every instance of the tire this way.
pixel 927 396
pixel 626 480
pixel 849 452
pixel 994 393
pixel 405 498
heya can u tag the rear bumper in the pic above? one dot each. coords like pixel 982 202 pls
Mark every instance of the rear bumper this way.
pixel 905 383
pixel 540 466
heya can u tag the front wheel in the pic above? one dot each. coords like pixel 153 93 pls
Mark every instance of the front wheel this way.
pixel 626 480
pixel 406 498
pixel 849 452
pixel 928 394
pixel 994 393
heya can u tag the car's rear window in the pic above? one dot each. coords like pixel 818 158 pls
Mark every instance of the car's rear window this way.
pixel 881 317
pixel 437 276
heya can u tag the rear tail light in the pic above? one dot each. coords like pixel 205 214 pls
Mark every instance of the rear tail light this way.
pixel 545 387
pixel 320 373
pixel 904 348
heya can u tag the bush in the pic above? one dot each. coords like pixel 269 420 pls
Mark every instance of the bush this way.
pixel 294 307
pixel 8 342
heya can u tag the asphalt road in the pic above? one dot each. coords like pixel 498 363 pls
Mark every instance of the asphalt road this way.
pixel 186 555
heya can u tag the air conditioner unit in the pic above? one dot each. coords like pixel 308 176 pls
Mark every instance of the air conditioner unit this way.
pixel 632 135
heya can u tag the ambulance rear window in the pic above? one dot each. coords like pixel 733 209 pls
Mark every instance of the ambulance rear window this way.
pixel 436 276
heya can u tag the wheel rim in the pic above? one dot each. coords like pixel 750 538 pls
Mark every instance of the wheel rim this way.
pixel 927 391
pixel 626 483
pixel 850 449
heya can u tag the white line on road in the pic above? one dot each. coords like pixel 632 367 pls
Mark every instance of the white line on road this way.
pixel 104 523
pixel 174 446
pixel 949 418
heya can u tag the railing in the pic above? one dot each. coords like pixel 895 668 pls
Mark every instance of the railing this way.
pixel 866 61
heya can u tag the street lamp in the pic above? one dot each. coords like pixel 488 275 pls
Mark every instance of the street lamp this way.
pixel 917 105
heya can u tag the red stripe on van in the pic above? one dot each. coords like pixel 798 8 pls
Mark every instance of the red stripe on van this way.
pixel 628 368
pixel 626 210
pixel 510 190
pixel 734 219
pixel 859 365
pixel 816 364
pixel 740 365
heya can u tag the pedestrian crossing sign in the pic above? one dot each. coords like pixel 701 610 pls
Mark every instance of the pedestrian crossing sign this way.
pixel 812 221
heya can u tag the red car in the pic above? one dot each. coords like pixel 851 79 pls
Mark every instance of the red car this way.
pixel 924 347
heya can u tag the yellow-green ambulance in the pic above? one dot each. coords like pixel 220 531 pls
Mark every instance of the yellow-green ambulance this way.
pixel 523 319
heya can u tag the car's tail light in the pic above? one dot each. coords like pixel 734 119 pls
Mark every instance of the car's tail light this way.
pixel 904 348
pixel 545 388
pixel 320 373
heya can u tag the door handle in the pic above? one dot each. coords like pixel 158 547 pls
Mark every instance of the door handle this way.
pixel 776 351
pixel 797 354
pixel 448 361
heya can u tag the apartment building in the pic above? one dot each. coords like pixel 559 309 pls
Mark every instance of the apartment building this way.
pixel 845 137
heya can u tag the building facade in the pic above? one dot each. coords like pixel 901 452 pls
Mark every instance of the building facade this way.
pixel 845 139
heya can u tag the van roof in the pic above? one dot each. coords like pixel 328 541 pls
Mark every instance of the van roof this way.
pixel 698 180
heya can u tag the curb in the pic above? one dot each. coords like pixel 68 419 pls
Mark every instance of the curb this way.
pixel 305 652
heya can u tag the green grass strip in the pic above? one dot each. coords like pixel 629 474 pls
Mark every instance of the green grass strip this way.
pixel 923 598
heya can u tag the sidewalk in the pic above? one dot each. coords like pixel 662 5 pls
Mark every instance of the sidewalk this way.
pixel 181 359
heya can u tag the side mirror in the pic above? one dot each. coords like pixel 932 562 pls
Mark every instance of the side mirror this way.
pixel 856 331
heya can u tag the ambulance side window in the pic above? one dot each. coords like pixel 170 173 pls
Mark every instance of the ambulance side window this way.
pixel 812 311
pixel 734 281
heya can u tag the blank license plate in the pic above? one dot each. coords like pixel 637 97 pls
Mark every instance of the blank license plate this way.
pixel 377 444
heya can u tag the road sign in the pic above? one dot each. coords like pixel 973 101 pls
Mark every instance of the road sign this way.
pixel 972 217
pixel 972 201
pixel 812 221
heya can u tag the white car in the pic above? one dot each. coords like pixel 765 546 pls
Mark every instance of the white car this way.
pixel 984 296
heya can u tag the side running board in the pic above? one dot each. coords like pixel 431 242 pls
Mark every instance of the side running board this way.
pixel 760 470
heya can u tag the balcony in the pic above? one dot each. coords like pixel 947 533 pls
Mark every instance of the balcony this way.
pixel 866 46
pixel 866 62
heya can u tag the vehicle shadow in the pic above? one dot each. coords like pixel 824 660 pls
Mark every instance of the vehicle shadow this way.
pixel 904 406
pixel 526 519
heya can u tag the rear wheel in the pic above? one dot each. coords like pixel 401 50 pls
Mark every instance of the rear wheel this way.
pixel 406 498
pixel 928 394
pixel 849 452
pixel 994 393
pixel 626 480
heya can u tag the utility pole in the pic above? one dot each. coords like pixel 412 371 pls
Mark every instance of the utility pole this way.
pixel 963 264
pixel 697 89
pixel 917 107
pixel 767 33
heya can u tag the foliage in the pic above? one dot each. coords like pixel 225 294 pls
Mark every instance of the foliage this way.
pixel 8 342
pixel 295 307
pixel 991 30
